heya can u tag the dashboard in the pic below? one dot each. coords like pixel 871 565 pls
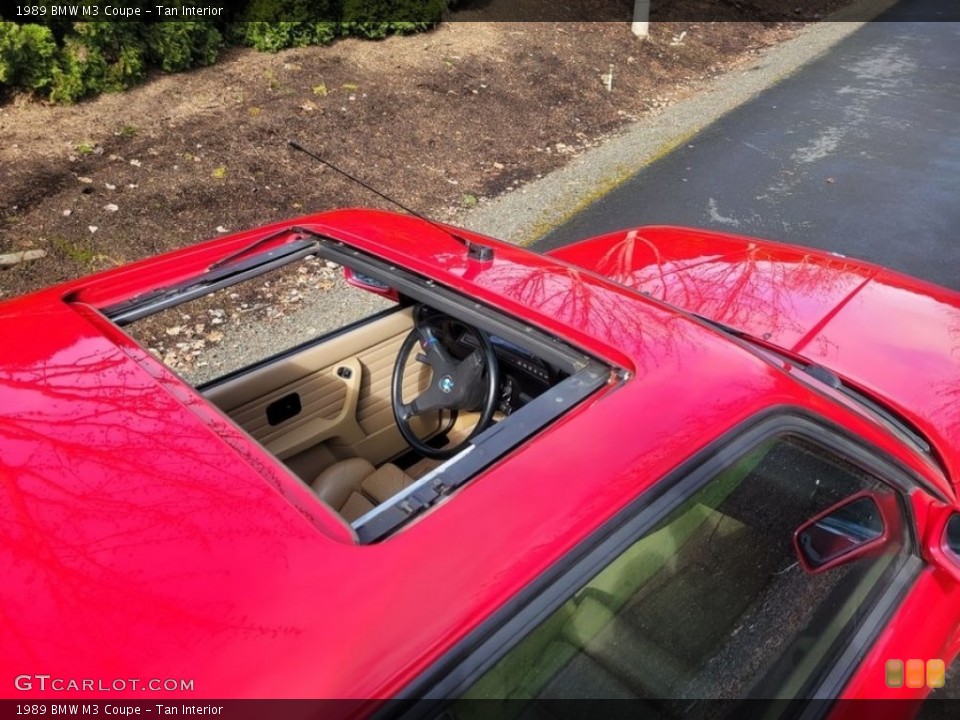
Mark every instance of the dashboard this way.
pixel 523 376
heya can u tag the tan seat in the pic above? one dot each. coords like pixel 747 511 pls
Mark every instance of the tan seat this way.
pixel 354 487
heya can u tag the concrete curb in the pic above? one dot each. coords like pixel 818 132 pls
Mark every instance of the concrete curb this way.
pixel 528 213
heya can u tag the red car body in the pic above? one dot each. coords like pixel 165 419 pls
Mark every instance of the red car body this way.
pixel 145 535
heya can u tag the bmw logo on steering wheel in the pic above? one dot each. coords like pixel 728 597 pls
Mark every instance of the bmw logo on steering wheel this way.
pixel 446 384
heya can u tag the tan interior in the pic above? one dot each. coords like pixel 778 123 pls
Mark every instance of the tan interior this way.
pixel 345 433
pixel 354 487
pixel 344 389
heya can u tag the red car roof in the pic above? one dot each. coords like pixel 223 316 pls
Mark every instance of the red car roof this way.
pixel 142 533
pixel 894 336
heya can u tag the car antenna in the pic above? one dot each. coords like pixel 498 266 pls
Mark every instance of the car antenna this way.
pixel 475 251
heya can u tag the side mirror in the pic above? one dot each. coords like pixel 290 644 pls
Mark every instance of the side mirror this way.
pixel 847 531
pixel 370 284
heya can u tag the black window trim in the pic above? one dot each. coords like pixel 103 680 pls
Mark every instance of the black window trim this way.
pixel 864 637
pixel 487 644
pixel 217 277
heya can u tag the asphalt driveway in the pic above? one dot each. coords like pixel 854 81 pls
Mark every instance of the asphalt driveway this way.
pixel 857 153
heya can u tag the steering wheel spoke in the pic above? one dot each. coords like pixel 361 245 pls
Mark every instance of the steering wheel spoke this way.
pixel 434 354
pixel 427 401
pixel 470 369
pixel 404 412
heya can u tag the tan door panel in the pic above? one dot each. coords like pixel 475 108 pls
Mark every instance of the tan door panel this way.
pixel 328 401
pixel 343 386
pixel 382 440
pixel 292 437
pixel 232 394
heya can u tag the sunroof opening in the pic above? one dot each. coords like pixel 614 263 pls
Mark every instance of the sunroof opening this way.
pixel 371 384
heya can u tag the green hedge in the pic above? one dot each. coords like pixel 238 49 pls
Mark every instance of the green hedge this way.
pixel 66 61
pixel 28 56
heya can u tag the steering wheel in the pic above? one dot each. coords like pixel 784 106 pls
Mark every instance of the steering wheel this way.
pixel 466 384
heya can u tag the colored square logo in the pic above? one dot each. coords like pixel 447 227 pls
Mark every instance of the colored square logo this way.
pixel 915 673
pixel 936 672
pixel 894 673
